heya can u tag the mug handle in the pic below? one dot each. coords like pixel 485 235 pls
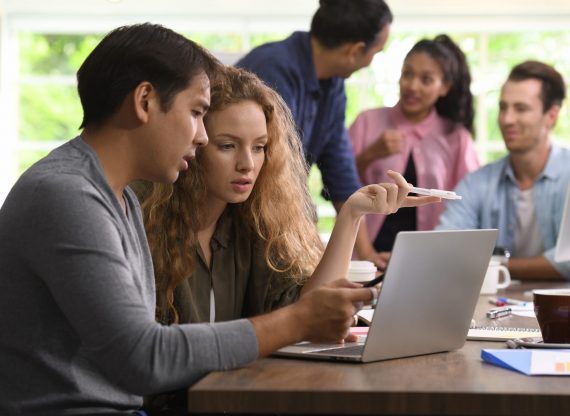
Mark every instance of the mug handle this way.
pixel 506 276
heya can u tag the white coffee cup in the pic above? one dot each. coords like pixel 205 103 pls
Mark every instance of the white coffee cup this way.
pixel 361 271
pixel 492 282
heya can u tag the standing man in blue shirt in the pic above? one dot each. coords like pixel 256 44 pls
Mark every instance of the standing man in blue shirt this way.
pixel 522 194
pixel 308 70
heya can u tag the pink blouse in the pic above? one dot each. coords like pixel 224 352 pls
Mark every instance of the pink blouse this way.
pixel 443 153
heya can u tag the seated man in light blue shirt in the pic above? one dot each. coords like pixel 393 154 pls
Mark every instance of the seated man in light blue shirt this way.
pixel 523 193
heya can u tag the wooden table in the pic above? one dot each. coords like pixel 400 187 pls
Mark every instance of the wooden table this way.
pixel 453 383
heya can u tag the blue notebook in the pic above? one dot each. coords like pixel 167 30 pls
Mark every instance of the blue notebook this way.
pixel 530 362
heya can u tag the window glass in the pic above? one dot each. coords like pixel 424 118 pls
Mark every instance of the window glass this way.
pixel 49 54
pixel 49 111
pixel 507 50
pixel 256 39
pixel 27 158
pixel 49 108
pixel 220 42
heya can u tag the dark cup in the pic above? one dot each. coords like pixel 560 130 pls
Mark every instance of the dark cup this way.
pixel 552 309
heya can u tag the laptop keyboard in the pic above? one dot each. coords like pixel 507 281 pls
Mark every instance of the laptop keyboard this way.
pixel 349 351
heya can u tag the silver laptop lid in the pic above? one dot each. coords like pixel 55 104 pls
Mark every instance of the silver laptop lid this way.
pixel 429 293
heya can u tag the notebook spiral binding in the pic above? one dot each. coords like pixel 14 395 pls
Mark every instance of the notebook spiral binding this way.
pixel 500 333
pixel 505 329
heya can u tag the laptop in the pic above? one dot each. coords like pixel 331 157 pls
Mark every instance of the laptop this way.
pixel 426 302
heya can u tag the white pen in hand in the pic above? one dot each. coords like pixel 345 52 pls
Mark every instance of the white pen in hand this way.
pixel 435 192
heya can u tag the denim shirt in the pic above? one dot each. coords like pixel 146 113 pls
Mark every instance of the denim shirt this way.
pixel 318 108
pixel 490 197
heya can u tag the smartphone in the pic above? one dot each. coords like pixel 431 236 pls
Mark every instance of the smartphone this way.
pixel 534 342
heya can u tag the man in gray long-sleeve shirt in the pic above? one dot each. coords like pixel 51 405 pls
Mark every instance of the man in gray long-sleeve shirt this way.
pixel 76 278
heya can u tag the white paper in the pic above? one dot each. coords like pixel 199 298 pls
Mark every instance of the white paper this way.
pixel 550 362
pixel 366 314
pixel 526 310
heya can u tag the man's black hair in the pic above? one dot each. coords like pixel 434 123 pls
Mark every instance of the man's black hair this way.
pixel 130 55
pixel 342 21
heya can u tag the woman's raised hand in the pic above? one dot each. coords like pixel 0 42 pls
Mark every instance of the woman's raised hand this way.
pixel 386 198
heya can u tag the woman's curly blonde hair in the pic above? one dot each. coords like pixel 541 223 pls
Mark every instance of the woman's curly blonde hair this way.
pixel 279 210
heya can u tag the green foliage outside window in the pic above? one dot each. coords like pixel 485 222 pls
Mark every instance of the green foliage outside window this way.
pixel 220 42
pixel 50 112
pixel 507 50
pixel 27 158
pixel 256 39
pixel 49 55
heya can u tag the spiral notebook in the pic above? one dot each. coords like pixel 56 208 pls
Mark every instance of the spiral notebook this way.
pixel 476 333
pixel 498 333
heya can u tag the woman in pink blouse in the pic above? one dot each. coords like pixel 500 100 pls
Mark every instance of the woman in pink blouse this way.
pixel 427 135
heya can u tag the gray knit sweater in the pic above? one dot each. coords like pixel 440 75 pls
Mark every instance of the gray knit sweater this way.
pixel 77 300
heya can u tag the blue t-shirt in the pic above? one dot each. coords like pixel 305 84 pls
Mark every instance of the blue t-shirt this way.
pixel 318 108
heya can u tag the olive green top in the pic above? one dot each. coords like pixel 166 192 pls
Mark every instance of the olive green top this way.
pixel 243 283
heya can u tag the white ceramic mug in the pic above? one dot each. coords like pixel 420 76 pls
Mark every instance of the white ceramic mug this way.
pixel 361 271
pixel 492 282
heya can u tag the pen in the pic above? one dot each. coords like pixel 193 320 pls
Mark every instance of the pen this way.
pixel 496 302
pixel 435 192
pixel 374 281
pixel 501 301
pixel 499 312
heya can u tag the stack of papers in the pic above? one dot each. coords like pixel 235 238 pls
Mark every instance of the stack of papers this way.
pixel 365 315
pixel 525 309
pixel 530 362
